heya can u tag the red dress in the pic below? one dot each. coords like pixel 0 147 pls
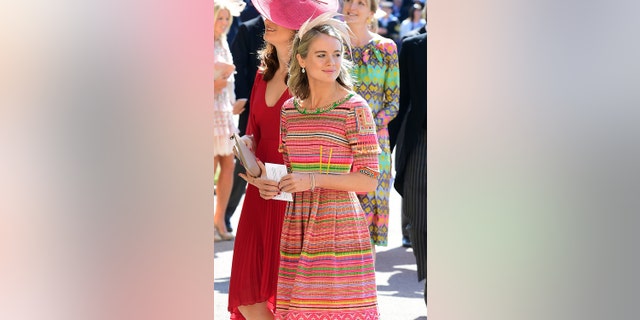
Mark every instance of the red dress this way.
pixel 256 252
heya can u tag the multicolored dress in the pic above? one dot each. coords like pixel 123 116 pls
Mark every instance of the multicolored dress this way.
pixel 326 262
pixel 377 81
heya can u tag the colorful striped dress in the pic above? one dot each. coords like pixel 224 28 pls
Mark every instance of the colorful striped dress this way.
pixel 326 261
pixel 377 81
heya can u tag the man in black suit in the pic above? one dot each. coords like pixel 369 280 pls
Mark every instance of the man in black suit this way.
pixel 244 50
pixel 394 128
pixel 409 132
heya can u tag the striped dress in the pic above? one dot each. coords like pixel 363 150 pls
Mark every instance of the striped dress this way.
pixel 377 81
pixel 326 263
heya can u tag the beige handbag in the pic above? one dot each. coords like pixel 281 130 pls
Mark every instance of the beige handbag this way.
pixel 246 157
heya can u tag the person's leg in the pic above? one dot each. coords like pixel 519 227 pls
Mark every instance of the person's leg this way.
pixel 373 254
pixel 223 190
pixel 237 191
pixel 425 292
pixel 258 311
pixel 406 240
pixel 414 204
pixel 216 236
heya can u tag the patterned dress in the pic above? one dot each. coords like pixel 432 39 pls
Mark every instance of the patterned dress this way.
pixel 223 124
pixel 326 264
pixel 377 81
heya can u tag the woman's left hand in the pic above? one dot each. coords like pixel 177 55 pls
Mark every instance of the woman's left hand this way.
pixel 268 188
pixel 295 182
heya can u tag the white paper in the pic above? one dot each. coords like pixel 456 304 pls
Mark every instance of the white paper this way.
pixel 276 172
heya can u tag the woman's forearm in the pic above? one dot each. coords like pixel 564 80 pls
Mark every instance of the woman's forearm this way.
pixel 354 181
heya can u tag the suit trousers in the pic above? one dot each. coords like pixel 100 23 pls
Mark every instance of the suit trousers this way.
pixel 414 201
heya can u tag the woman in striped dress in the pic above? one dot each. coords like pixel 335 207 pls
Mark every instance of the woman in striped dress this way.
pixel 329 145
pixel 377 78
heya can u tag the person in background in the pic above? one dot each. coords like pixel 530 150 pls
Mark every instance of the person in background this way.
pixel 388 25
pixel 244 50
pixel 224 106
pixel 233 30
pixel 411 152
pixel 394 128
pixel 330 148
pixel 397 7
pixel 414 21
pixel 256 255
pixel 420 30
pixel 249 12
pixel 375 69
pixel 404 6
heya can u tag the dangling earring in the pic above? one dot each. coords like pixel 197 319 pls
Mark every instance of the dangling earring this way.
pixel 303 70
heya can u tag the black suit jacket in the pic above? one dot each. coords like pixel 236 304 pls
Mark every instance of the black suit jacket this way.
pixel 412 115
pixel 244 50
pixel 415 32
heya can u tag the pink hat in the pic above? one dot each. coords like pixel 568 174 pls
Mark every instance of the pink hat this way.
pixel 291 14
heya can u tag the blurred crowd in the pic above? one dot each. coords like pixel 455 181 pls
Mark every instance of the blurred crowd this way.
pixel 395 18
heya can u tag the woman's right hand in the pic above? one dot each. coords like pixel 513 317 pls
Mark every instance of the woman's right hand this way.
pixel 268 188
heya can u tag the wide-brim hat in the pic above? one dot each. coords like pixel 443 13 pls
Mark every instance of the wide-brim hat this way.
pixel 291 14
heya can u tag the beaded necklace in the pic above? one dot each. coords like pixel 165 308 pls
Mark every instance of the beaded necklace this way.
pixel 322 109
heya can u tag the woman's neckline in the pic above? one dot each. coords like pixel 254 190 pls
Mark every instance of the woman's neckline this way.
pixel 322 109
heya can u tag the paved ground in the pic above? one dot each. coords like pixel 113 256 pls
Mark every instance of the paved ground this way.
pixel 399 292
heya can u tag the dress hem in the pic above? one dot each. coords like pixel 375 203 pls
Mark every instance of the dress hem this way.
pixel 234 309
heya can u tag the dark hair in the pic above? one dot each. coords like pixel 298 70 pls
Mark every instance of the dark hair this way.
pixel 268 61
pixel 412 11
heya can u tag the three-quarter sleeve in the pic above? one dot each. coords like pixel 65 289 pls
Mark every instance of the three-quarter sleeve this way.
pixel 362 136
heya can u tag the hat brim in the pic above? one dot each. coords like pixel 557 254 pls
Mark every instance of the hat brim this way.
pixel 292 14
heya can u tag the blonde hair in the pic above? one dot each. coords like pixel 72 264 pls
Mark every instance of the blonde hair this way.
pixel 373 6
pixel 232 7
pixel 298 82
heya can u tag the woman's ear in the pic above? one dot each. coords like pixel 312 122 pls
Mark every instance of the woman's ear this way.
pixel 300 60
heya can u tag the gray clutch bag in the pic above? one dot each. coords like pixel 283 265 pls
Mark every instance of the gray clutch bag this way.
pixel 246 157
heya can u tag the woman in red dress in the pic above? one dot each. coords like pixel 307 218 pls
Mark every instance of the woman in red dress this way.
pixel 256 255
